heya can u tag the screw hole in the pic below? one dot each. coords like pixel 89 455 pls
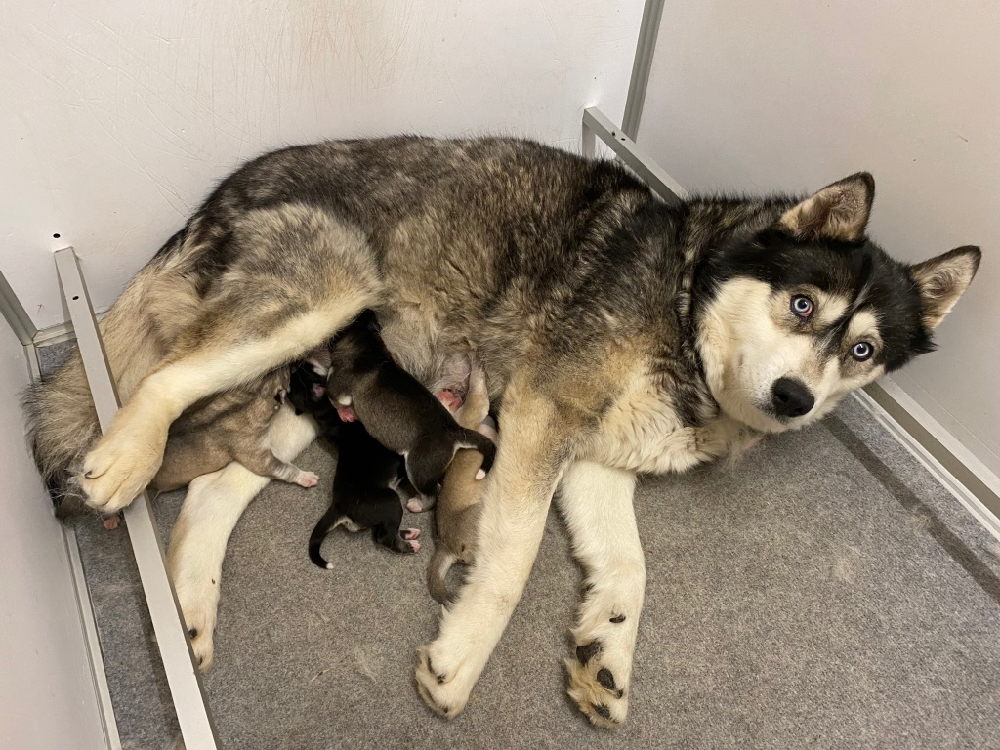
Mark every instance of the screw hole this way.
pixel 76 297
pixel 57 235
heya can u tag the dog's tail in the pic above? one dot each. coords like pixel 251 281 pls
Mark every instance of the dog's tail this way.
pixel 486 447
pixel 320 530
pixel 59 411
pixel 437 571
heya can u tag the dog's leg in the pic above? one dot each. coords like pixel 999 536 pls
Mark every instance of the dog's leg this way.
pixel 516 500
pixel 221 353
pixel 266 464
pixel 198 541
pixel 597 504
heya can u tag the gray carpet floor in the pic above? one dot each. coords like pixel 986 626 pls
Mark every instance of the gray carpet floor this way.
pixel 826 592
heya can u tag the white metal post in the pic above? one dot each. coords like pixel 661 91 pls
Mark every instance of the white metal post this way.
pixel 634 157
pixel 164 611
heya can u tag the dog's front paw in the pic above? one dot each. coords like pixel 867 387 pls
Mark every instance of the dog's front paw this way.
pixel 200 606
pixel 445 684
pixel 594 688
pixel 118 468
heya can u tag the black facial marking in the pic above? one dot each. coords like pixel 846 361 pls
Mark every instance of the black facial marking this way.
pixel 585 653
pixel 859 271
pixel 617 618
pixel 602 710
pixel 606 679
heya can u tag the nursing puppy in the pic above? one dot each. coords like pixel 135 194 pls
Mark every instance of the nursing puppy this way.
pixel 230 427
pixel 364 486
pixel 395 408
pixel 458 501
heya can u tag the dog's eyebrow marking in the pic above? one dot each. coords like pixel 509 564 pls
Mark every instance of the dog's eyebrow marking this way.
pixel 863 324
pixel 830 308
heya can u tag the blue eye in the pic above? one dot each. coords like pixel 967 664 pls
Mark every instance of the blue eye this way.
pixel 862 351
pixel 802 306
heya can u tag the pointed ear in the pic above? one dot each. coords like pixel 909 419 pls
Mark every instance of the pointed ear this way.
pixel 942 280
pixel 838 212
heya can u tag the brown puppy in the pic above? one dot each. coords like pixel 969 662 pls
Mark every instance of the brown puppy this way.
pixel 458 501
pixel 230 427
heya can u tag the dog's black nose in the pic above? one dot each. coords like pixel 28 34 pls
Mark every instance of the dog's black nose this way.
pixel 790 398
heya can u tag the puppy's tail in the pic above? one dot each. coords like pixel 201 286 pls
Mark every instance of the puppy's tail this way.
pixel 437 571
pixel 319 532
pixel 486 447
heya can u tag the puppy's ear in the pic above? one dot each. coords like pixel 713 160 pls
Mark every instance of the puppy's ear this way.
pixel 837 212
pixel 943 280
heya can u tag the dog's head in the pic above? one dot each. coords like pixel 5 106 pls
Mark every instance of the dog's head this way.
pixel 307 388
pixel 797 315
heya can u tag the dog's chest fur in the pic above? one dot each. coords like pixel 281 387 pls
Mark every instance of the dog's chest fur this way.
pixel 644 431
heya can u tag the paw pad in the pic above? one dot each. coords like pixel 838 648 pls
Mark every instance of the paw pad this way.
pixel 585 653
pixel 617 618
pixel 606 679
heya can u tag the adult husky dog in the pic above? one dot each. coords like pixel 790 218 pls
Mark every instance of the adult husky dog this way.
pixel 619 335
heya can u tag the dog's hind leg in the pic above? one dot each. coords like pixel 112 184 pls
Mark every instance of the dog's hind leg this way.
pixel 516 499
pixel 596 503
pixel 380 510
pixel 268 465
pixel 300 278
pixel 198 540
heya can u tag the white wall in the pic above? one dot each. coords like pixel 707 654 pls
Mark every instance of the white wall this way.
pixel 47 697
pixel 119 115
pixel 782 94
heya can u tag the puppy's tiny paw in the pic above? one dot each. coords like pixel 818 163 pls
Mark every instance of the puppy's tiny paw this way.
pixel 307 479
pixel 420 503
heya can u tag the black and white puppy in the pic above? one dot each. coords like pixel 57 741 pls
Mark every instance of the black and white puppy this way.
pixel 367 476
pixel 395 408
